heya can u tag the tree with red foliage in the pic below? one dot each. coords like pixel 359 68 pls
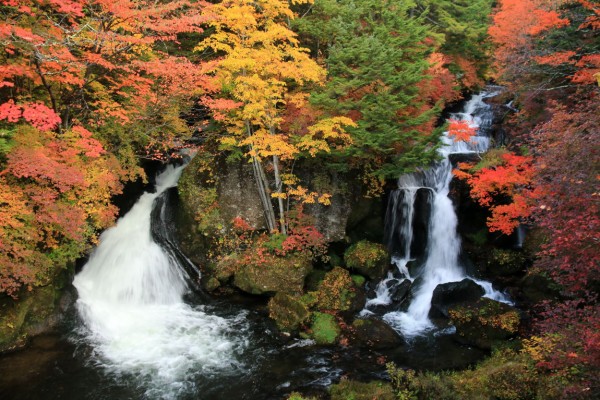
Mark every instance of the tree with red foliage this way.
pixel 501 188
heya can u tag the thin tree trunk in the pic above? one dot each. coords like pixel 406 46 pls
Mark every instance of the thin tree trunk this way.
pixel 278 189
pixel 262 187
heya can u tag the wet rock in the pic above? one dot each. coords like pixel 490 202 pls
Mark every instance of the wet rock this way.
pixel 367 258
pixel 420 223
pixel 288 312
pixel 412 291
pixel 484 322
pixel 375 334
pixel 452 293
pixel 400 292
pixel 276 274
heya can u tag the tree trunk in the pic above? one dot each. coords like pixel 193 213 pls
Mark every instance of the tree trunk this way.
pixel 278 189
pixel 263 188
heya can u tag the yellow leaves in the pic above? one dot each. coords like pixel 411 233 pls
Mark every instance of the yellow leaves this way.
pixel 264 144
pixel 325 133
pixel 306 197
pixel 539 348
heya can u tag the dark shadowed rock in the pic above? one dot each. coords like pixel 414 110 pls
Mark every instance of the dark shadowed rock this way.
pixel 399 292
pixel 375 334
pixel 484 322
pixel 288 312
pixel 452 293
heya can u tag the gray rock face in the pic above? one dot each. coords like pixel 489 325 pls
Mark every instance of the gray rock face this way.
pixel 238 195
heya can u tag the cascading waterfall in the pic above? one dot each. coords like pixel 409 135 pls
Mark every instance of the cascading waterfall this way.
pixel 440 258
pixel 130 299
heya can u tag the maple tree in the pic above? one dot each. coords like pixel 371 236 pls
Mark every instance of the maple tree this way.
pixel 548 57
pixel 501 188
pixel 260 61
pixel 85 89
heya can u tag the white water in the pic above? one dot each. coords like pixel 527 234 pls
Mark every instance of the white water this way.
pixel 441 262
pixel 130 299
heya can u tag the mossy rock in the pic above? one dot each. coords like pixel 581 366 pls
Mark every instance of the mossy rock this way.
pixel 324 328
pixel 504 262
pixel 484 322
pixel 225 267
pixel 274 274
pixel 336 291
pixel 353 390
pixel 30 315
pixel 359 280
pixel 288 312
pixel 375 334
pixel 368 259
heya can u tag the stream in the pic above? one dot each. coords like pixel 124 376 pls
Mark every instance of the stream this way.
pixel 141 329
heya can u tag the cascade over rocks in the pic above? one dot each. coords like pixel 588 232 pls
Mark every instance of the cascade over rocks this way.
pixel 446 295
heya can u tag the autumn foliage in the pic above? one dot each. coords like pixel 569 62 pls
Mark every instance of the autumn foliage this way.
pixel 550 59
pixel 85 88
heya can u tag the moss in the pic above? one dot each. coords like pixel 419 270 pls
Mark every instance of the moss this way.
pixel 506 375
pixel 369 259
pixel 484 322
pixel 353 390
pixel 19 318
pixel 336 291
pixel 273 274
pixel 325 329
pixel 358 280
pixel 288 312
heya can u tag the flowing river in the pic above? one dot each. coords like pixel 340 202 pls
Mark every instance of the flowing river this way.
pixel 140 329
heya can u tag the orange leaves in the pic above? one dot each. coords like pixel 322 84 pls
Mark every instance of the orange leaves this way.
pixel 461 130
pixel 500 189
pixel 556 59
pixel 547 20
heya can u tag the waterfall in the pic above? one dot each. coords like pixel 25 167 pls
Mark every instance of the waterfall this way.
pixel 440 261
pixel 131 302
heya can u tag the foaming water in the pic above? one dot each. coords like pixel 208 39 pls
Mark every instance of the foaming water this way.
pixel 131 301
pixel 441 263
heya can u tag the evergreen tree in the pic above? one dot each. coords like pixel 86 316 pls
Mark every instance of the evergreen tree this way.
pixel 376 62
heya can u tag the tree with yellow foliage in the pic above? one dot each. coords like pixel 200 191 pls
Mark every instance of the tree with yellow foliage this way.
pixel 260 69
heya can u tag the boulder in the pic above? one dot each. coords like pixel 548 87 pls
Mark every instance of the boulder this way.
pixel 449 294
pixel 336 291
pixel 288 312
pixel 367 258
pixel 399 292
pixel 275 274
pixel 484 322
pixel 324 328
pixel 375 334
